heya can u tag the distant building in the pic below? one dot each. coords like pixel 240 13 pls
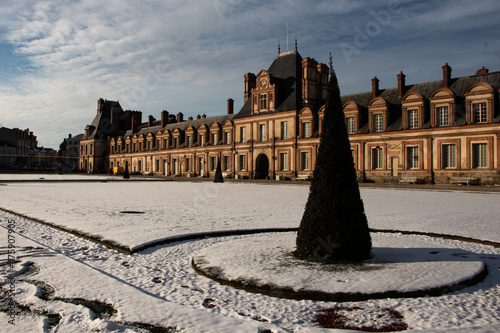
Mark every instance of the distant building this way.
pixel 435 132
pixel 69 152
pixel 43 158
pixel 14 147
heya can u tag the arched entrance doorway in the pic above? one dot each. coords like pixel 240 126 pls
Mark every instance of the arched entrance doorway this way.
pixel 261 167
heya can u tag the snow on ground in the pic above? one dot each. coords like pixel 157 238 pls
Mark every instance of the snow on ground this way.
pixel 158 285
pixel 398 264
pixel 181 208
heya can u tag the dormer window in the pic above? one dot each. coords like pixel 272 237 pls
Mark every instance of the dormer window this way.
pixel 480 113
pixel 263 102
pixel 413 118
pixel 306 130
pixel 351 125
pixel 378 121
pixel 443 116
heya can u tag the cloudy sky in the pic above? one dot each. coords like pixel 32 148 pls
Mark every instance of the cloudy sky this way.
pixel 58 57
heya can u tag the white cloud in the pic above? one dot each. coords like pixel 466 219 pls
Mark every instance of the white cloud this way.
pixel 190 56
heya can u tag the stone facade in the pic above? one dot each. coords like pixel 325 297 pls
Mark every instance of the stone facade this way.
pixel 15 146
pixel 431 132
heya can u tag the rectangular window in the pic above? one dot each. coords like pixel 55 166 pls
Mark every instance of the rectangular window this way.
pixel 213 163
pixel 479 155
pixel 202 139
pixel 226 163
pixel 351 125
pixel 283 161
pixel 413 118
pixel 243 137
pixel 304 160
pixel 412 157
pixel 479 113
pixel 262 132
pixel 284 130
pixel 176 143
pixel 165 143
pixel 448 156
pixel 262 101
pixel 157 165
pixel 243 162
pixel 139 165
pixel 377 158
pixel 188 164
pixel 190 141
pixel 306 130
pixel 214 139
pixel 443 116
pixel 158 144
pixel 228 138
pixel 134 146
pixel 379 122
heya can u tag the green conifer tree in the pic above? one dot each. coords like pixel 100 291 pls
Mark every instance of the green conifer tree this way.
pixel 334 227
pixel 126 174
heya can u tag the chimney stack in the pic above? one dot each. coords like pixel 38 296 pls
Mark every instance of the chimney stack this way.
pixel 401 84
pixel 100 105
pixel 190 118
pixel 180 117
pixel 164 118
pixel 375 87
pixel 151 119
pixel 230 106
pixel 482 71
pixel 446 75
pixel 250 83
pixel 198 117
pixel 204 116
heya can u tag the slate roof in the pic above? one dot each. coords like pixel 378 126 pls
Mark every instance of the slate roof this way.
pixel 99 128
pixel 145 129
pixel 458 86
pixel 286 72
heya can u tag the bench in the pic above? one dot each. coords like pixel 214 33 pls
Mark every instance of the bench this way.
pixel 464 180
pixel 411 180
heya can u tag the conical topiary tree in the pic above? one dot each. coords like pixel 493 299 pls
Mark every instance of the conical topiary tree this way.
pixel 334 226
pixel 218 178
pixel 126 174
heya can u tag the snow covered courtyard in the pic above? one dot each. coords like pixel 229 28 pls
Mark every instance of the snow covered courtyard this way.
pixel 158 286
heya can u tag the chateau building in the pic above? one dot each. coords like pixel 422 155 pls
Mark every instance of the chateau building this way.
pixel 435 132
pixel 15 146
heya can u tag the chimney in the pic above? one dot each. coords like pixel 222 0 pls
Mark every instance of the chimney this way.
pixel 230 106
pixel 164 118
pixel 180 117
pixel 198 117
pixel 482 71
pixel 190 118
pixel 151 119
pixel 250 83
pixel 100 105
pixel 204 116
pixel 374 87
pixel 136 121
pixel 115 119
pixel 401 84
pixel 446 75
